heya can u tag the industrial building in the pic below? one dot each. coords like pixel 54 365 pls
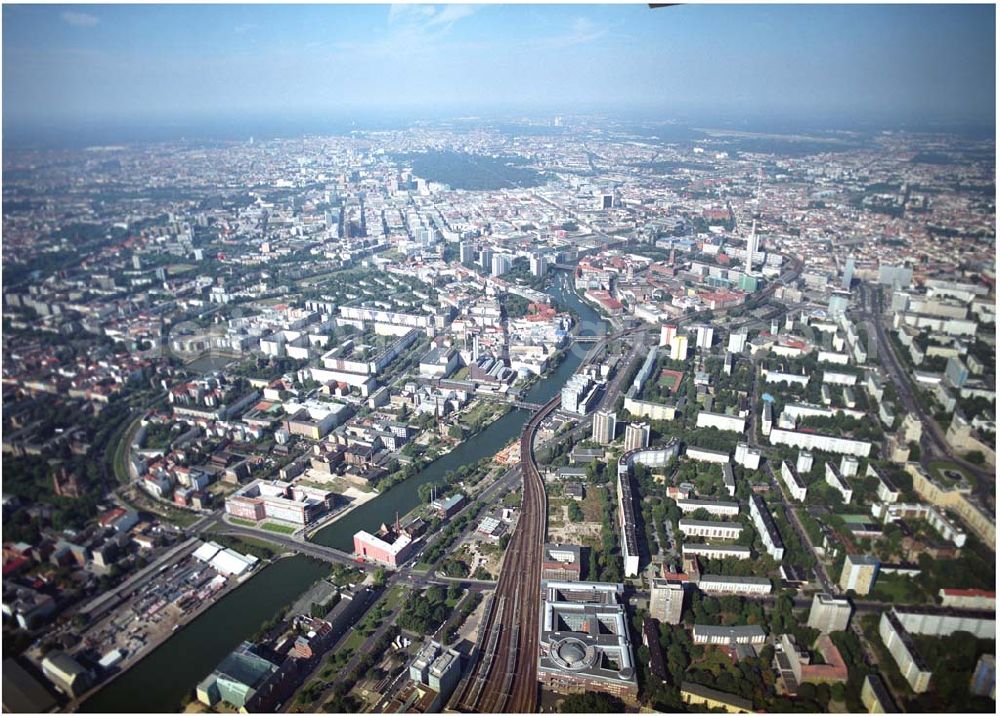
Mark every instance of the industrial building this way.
pixel 391 549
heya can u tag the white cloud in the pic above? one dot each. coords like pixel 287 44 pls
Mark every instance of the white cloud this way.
pixel 581 32
pixel 78 19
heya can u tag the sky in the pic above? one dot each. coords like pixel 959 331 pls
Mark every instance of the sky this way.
pixel 101 63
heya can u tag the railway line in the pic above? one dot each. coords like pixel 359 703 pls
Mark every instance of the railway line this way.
pixel 503 677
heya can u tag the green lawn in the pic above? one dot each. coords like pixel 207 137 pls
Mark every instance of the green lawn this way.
pixel 897 589
pixel 244 523
pixel 939 466
pixel 352 642
pixel 282 529
pixel 394 597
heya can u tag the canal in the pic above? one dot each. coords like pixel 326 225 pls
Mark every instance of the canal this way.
pixel 161 680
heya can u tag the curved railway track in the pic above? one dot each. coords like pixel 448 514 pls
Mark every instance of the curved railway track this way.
pixel 504 674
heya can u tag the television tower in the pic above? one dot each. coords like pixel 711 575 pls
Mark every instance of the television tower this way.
pixel 751 246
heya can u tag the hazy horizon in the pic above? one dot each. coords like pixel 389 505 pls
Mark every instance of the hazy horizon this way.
pixel 93 66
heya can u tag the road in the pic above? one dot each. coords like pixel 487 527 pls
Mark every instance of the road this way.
pixel 932 434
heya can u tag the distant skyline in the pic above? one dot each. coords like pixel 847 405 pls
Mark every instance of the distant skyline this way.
pixel 86 64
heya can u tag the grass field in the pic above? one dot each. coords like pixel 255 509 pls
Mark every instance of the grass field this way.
pixel 244 523
pixel 938 467
pixel 897 589
pixel 282 529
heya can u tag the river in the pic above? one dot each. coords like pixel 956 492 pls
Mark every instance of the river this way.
pixel 161 680
pixel 404 497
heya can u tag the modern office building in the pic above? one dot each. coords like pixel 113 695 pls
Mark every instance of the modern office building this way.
pixel 584 640
pixel 437 668
pixel 859 573
pixel 245 681
pixel 829 614
pixel 604 426
pixel 666 601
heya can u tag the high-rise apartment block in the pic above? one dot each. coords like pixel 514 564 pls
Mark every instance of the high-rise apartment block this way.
pixel 666 601
pixel 636 436
pixel 605 424
pixel 859 573
pixel 829 614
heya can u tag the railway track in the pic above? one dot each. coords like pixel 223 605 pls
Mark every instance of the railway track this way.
pixel 514 687
pixel 504 675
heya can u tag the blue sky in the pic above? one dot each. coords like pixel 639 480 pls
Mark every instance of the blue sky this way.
pixel 93 62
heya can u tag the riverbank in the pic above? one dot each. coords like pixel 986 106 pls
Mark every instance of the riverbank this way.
pixel 170 670
pixel 161 639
